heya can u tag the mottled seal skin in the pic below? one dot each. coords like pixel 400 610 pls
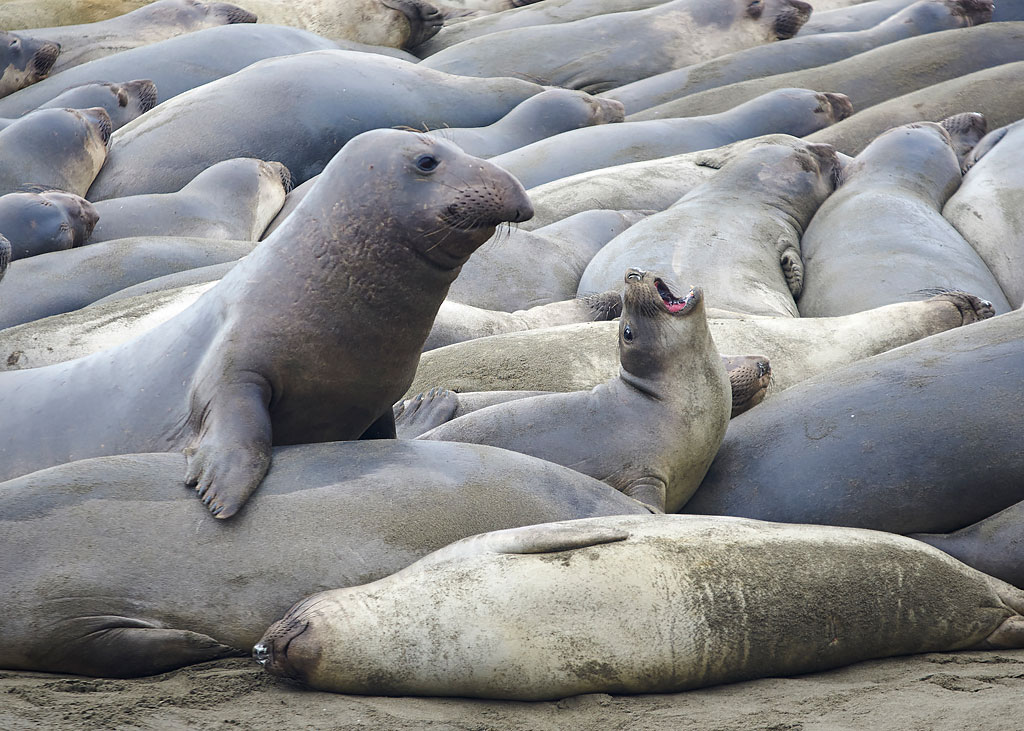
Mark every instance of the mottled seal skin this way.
pixel 920 439
pixel 924 16
pixel 789 111
pixel 575 357
pixel 234 199
pixel 62 281
pixel 38 223
pixel 986 208
pixel 652 431
pixel 54 148
pixel 123 102
pixel 549 113
pixel 24 60
pixel 881 236
pixel 738 233
pixel 658 604
pixel 225 379
pixel 311 104
pixel 875 76
pixel 179 64
pixel 578 54
pixel 94 593
pixel 152 23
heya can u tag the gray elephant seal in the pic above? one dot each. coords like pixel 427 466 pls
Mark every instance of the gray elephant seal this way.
pixel 154 22
pixel 652 431
pixel 38 223
pixel 578 55
pixel 54 148
pixel 98 617
pixel 24 60
pixel 881 236
pixel 123 102
pixel 658 604
pixel 797 112
pixel 234 199
pixel 5 256
pixel 739 232
pixel 224 380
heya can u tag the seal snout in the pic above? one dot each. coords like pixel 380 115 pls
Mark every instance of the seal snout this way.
pixel 791 19
pixel 272 650
pixel 145 91
pixel 100 120
pixel 232 13
pixel 975 12
pixel 45 57
pixel 425 20
pixel 841 105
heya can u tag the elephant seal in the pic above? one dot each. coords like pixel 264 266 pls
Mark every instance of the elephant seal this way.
pixel 576 357
pixel 225 380
pixel 738 233
pixel 853 17
pixel 120 608
pixel 311 104
pixel 37 223
pixel 670 405
pixel 875 76
pixel 578 55
pixel 986 207
pixel 123 102
pixel 234 199
pixel 638 604
pixel 5 256
pixel 923 438
pixel 24 60
pixel 789 111
pixel 881 236
pixel 547 114
pixel 924 16
pixel 54 148
pixel 151 23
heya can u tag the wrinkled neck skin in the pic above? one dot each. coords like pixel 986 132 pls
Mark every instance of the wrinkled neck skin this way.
pixel 918 163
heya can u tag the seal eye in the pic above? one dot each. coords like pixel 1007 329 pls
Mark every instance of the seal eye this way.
pixel 627 333
pixel 14 43
pixel 755 8
pixel 427 163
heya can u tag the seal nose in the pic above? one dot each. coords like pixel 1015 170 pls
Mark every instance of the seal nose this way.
pixel 841 105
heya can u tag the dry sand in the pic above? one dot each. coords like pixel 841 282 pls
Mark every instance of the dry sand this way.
pixel 968 690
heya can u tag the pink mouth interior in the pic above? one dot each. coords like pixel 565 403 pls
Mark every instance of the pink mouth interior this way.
pixel 672 304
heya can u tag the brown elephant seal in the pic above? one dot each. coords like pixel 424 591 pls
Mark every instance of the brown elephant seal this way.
pixel 54 148
pixel 233 199
pixel 670 404
pixel 154 22
pixel 576 357
pixel 38 223
pixel 279 352
pixel 123 102
pixel 100 597
pixel 797 112
pixel 738 233
pixel 881 236
pixel 578 55
pixel 24 60
pixel 639 604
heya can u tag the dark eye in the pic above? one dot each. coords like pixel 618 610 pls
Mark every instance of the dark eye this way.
pixel 627 333
pixel 14 43
pixel 427 163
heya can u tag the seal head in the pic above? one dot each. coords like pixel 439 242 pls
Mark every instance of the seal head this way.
pixel 749 376
pixel 788 18
pixel 24 61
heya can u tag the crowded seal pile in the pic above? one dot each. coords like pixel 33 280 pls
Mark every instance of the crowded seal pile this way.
pixel 511 364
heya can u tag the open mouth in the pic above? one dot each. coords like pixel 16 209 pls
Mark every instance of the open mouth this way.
pixel 675 304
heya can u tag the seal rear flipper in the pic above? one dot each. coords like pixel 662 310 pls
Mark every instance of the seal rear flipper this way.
pixel 1007 636
pixel 651 492
pixel 792 268
pixel 425 411
pixel 383 428
pixel 121 647
pixel 231 453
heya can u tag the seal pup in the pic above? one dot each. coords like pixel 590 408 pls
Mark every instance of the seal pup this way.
pixel 918 439
pixel 639 604
pixel 739 232
pixel 576 357
pixel 38 223
pixel 234 199
pixel 924 16
pixel 24 60
pixel 579 54
pixel 669 405
pixel 54 148
pixel 279 352
pixel 154 22
pixel 789 111
pixel 881 236
pixel 986 207
pixel 90 589
pixel 123 102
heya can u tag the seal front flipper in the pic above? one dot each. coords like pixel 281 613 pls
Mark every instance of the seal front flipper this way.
pixel 425 411
pixel 792 266
pixel 652 492
pixel 231 452
pixel 120 647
